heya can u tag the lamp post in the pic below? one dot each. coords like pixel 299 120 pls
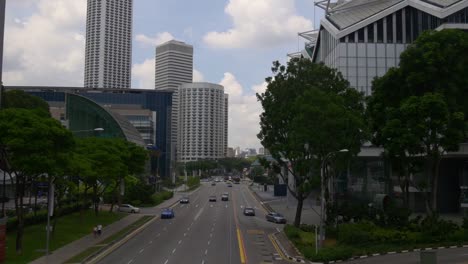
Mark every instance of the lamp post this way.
pixel 97 129
pixel 322 195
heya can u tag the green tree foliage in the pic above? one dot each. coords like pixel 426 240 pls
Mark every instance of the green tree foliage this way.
pixel 436 63
pixel 104 163
pixel 31 144
pixel 309 111
pixel 21 99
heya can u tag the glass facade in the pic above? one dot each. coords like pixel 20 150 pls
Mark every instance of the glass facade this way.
pixel 371 50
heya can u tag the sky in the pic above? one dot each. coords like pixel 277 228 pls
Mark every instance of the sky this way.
pixel 235 42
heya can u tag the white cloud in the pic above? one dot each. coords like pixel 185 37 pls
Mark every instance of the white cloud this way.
pixel 198 76
pixel 259 23
pixel 47 47
pixel 154 41
pixel 143 74
pixel 244 113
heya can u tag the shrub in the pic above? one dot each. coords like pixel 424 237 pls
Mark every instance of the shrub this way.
pixel 435 230
pixel 160 197
pixel 329 254
pixel 193 181
pixel 307 228
pixel 357 233
pixel 292 232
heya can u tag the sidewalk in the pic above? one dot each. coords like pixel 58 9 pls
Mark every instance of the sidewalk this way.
pixel 66 252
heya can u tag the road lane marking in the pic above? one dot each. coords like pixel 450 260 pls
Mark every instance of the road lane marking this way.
pixel 241 246
pixel 185 234
pixel 180 241
pixel 273 242
pixel 198 214
pixel 211 235
pixel 206 252
pixel 130 261
pixel 142 250
pixel 203 262
pixel 209 241
pixel 158 234
pixel 166 261
pixel 173 250
pixel 196 206
pixel 151 242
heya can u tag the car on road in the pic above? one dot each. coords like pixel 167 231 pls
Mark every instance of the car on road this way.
pixel 249 211
pixel 213 183
pixel 184 200
pixel 128 208
pixel 225 197
pixel 275 218
pixel 229 184
pixel 212 198
pixel 167 213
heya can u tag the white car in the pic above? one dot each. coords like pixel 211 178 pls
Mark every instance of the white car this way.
pixel 128 208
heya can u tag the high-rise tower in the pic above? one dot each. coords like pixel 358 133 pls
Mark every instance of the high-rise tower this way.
pixel 174 66
pixel 108 44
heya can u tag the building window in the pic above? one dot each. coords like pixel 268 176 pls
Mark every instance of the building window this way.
pixel 351 37
pixel 399 27
pixel 361 35
pixel 370 33
pixel 380 32
pixel 389 29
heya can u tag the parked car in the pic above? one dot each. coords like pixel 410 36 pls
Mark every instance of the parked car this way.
pixel 128 208
pixel 184 200
pixel 225 197
pixel 249 211
pixel 212 198
pixel 167 213
pixel 275 218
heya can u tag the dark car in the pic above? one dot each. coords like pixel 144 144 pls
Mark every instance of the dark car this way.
pixel 275 218
pixel 167 213
pixel 184 200
pixel 212 198
pixel 225 197
pixel 213 183
pixel 249 211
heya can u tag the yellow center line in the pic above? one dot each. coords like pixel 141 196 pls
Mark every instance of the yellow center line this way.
pixel 240 240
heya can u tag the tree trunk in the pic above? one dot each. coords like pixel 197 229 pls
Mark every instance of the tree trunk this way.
pixel 297 218
pixel 435 183
pixel 95 200
pixel 19 214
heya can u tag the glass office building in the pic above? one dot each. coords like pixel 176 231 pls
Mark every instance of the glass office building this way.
pixel 140 116
pixel 364 38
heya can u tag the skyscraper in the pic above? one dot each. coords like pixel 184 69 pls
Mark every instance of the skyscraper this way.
pixel 174 66
pixel 202 131
pixel 108 44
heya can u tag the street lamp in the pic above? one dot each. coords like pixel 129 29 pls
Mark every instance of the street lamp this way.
pixel 322 195
pixel 97 129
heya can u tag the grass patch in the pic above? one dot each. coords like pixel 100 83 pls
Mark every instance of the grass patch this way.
pixel 115 237
pixel 69 228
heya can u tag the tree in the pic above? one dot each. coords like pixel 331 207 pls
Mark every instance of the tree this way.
pixel 31 144
pixel 436 62
pixel 431 131
pixel 295 124
pixel 21 99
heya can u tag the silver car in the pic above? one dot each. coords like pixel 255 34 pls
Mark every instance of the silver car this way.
pixel 128 208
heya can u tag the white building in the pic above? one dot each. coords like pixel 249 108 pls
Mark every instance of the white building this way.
pixel 202 122
pixel 174 66
pixel 364 38
pixel 108 44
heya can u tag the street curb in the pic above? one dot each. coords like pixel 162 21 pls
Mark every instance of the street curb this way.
pixel 116 244
pixel 390 253
pixel 283 251
pixel 265 206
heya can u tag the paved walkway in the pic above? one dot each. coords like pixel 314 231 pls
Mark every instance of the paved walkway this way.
pixel 66 252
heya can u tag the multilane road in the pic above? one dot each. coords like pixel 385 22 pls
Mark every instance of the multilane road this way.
pixel 205 232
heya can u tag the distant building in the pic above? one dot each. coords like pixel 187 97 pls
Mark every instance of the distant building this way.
pixel 230 153
pixel 108 58
pixel 202 122
pixel 237 151
pixel 174 66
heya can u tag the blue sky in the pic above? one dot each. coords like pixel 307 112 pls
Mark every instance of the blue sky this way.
pixel 234 42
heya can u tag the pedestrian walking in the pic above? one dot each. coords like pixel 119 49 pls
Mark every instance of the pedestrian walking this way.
pixel 95 231
pixel 99 230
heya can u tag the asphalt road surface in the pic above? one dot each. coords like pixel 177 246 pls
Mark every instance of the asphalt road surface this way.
pixel 205 232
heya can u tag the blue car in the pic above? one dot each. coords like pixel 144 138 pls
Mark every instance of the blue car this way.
pixel 167 213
